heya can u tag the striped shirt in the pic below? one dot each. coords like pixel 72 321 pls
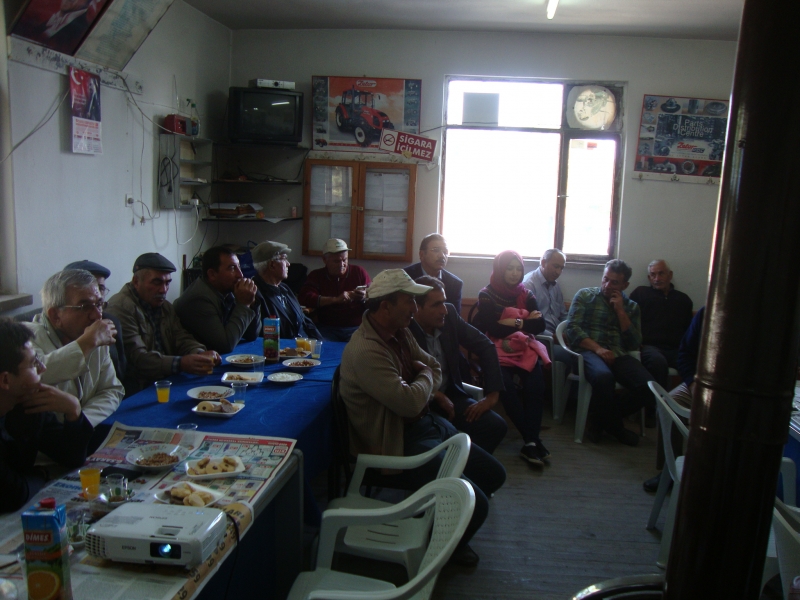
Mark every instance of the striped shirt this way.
pixel 591 316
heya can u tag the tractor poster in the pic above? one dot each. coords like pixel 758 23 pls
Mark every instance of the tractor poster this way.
pixel 351 113
pixel 681 139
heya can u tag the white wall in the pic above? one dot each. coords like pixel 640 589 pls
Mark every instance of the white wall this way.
pixel 71 206
pixel 658 219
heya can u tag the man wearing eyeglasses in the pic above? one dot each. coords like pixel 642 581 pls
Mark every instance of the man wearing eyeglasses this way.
pixel 101 273
pixel 74 340
pixel 433 255
pixel 156 344
pixel 34 417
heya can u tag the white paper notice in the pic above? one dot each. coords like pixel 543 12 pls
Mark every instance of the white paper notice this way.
pixel 385 235
pixel 395 191
pixel 373 198
pixel 331 186
pixel 340 226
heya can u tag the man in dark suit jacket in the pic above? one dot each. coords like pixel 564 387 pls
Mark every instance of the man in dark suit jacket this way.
pixel 439 330
pixel 433 256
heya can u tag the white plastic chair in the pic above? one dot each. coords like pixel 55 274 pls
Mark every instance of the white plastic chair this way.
pixel 669 416
pixel 451 502
pixel 786 526
pixel 771 562
pixel 404 541
pixel 558 372
pixel 584 389
pixel 474 392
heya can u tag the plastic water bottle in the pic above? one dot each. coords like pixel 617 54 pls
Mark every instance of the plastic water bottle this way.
pixel 195 118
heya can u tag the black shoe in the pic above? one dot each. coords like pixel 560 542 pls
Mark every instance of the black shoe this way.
pixel 651 485
pixel 544 453
pixel 650 421
pixel 625 436
pixel 465 556
pixel 532 453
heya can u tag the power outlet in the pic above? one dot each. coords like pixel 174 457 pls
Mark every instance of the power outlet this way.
pixel 128 200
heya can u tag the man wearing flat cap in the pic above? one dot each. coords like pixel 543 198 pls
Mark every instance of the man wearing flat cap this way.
pixel 73 340
pixel 117 350
pixel 156 344
pixel 220 308
pixel 386 383
pixel 271 263
pixel 336 292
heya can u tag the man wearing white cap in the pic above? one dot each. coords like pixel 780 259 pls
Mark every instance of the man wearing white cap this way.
pixel 336 292
pixel 386 383
pixel 271 262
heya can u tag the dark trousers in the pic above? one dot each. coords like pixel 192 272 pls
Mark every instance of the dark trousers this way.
pixel 525 408
pixel 605 409
pixel 658 361
pixel 487 431
pixel 483 471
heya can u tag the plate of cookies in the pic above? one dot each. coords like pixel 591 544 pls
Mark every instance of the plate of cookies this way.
pixel 245 377
pixel 294 353
pixel 221 410
pixel 214 468
pixel 209 392
pixel 188 494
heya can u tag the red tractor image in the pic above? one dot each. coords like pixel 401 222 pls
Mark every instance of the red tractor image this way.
pixel 357 112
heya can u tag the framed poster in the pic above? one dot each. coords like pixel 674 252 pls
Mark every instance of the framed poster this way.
pixel 59 25
pixel 681 139
pixel 351 113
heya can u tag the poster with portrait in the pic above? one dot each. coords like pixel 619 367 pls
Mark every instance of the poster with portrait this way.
pixel 60 25
pixel 681 139
pixel 87 132
pixel 351 113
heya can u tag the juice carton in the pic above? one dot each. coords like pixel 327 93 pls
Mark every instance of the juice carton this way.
pixel 272 339
pixel 46 551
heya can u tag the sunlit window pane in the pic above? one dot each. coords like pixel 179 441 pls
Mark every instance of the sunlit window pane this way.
pixel 590 192
pixel 500 191
pixel 521 104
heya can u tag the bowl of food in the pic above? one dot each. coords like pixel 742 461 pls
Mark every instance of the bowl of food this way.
pixel 284 378
pixel 301 365
pixel 245 360
pixel 244 377
pixel 188 494
pixel 156 457
pixel 210 392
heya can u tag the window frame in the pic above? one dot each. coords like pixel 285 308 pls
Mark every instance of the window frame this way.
pixel 567 133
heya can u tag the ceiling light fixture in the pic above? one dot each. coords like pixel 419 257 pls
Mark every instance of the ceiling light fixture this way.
pixel 552 5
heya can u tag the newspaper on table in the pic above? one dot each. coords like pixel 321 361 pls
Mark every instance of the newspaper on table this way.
pixel 262 457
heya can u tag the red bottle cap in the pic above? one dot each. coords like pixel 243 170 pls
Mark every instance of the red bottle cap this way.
pixel 48 503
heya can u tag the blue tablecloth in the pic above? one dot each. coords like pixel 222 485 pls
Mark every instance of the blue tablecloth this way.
pixel 301 411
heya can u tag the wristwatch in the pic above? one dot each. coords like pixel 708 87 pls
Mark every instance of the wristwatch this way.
pixel 518 323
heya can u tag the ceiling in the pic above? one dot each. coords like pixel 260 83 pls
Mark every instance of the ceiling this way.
pixel 693 19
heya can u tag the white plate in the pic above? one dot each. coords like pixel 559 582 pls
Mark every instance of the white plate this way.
pixel 193 463
pixel 245 360
pixel 284 377
pixel 218 415
pixel 295 364
pixel 195 392
pixel 302 353
pixel 163 496
pixel 244 377
pixel 150 449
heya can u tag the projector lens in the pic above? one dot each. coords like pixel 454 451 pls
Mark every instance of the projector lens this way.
pixel 161 550
pixel 165 550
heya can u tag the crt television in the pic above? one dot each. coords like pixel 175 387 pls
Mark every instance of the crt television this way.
pixel 265 115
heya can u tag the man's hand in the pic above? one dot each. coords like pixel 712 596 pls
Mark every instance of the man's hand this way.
pixel 616 301
pixel 475 411
pixel 51 399
pixel 100 333
pixel 606 354
pixel 199 364
pixel 358 294
pixel 344 297
pixel 444 403
pixel 244 291
pixel 419 367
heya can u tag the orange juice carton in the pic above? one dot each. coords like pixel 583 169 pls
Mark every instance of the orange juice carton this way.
pixel 272 339
pixel 44 526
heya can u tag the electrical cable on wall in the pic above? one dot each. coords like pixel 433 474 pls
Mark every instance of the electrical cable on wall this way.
pixel 37 128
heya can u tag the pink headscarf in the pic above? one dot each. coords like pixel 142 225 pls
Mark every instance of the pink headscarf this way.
pixel 518 293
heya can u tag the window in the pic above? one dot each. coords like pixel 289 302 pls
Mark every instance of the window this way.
pixel 530 165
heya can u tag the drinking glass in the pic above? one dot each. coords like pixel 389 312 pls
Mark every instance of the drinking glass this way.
pixel 90 482
pixel 316 352
pixel 187 431
pixel 239 391
pixel 162 391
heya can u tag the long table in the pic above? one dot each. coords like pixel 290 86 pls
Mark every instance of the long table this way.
pixel 300 411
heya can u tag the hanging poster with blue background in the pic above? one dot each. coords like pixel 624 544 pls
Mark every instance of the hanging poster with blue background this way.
pixel 681 139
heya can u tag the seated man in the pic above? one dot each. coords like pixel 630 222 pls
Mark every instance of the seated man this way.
pixel 220 308
pixel 74 340
pixel 603 326
pixel 156 344
pixel 336 292
pixel 29 420
pixel 666 314
pixel 386 383
pixel 433 256
pixel 272 267
pixel 440 331
pixel 117 350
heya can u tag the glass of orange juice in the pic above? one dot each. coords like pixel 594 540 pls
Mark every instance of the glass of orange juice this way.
pixel 302 343
pixel 90 481
pixel 162 390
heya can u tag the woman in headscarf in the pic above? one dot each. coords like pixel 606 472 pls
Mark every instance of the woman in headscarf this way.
pixel 509 315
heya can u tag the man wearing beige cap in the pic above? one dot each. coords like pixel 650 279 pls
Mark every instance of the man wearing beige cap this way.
pixel 386 383
pixel 336 292
pixel 271 262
